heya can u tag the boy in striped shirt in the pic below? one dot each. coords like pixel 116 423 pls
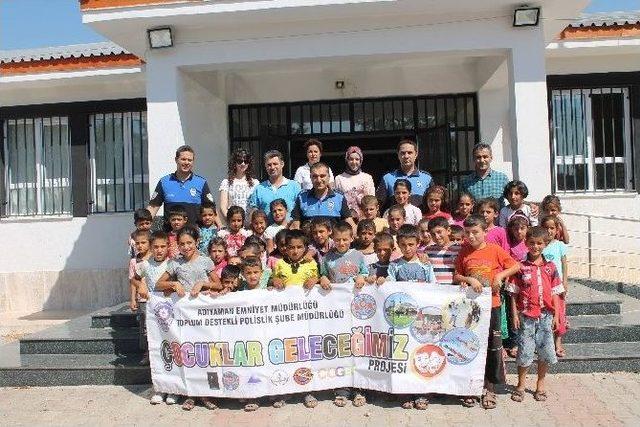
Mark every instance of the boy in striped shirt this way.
pixel 443 252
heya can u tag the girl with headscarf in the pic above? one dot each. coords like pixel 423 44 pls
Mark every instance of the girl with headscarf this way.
pixel 354 183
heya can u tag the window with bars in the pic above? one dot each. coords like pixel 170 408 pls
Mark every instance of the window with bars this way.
pixel 118 158
pixel 38 166
pixel 592 139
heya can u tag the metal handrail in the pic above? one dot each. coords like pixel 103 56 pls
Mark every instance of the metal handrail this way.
pixel 621 218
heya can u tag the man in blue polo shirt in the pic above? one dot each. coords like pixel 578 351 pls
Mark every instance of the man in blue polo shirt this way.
pixel 321 201
pixel 182 187
pixel 420 180
pixel 275 187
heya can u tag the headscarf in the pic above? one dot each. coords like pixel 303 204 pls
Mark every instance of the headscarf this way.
pixel 353 150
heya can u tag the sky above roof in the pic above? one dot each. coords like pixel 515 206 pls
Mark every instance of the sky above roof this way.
pixel 38 23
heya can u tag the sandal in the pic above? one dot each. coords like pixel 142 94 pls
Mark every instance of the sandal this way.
pixel 209 403
pixel 540 396
pixel 251 406
pixel 188 404
pixel 340 401
pixel 278 403
pixel 359 399
pixel 489 400
pixel 513 352
pixel 421 403
pixel 407 404
pixel 561 352
pixel 517 395
pixel 310 401
pixel 469 402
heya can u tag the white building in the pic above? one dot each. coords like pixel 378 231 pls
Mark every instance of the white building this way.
pixel 559 102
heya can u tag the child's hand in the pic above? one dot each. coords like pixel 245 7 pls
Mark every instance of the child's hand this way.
pixel 196 289
pixel 325 283
pixel 424 258
pixel 277 283
pixel 516 322
pixel 310 283
pixel 496 284
pixel 380 281
pixel 370 279
pixel 359 282
pixel 556 323
pixel 133 305
pixel 474 283
pixel 179 289
pixel 143 291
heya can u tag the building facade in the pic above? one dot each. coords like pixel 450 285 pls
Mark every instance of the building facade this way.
pixel 86 130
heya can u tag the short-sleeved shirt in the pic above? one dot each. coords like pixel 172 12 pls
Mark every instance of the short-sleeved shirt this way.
pixel 206 235
pixel 332 206
pixel 343 268
pixel 518 251
pixel 443 262
pixel 305 270
pixel 491 185
pixel 439 214
pixel 271 231
pixel 303 176
pixel 239 191
pixel 355 187
pixel 498 235
pixel 151 270
pixel 188 273
pixel 554 252
pixel 420 182
pixel 483 264
pixel 265 193
pixel 379 269
pixel 534 287
pixel 507 212
pixel 234 240
pixel 262 284
pixel 402 270
pixel 190 194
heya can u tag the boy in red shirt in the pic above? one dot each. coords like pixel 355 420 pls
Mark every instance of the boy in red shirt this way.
pixel 535 291
pixel 481 264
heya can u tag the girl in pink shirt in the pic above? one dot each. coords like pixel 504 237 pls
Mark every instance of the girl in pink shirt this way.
pixel 516 235
pixel 435 203
pixel 464 208
pixel 218 253
pixel 490 209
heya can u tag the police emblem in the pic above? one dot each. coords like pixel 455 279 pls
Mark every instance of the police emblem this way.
pixel 193 192
pixel 331 204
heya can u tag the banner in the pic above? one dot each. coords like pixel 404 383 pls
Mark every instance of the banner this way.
pixel 397 338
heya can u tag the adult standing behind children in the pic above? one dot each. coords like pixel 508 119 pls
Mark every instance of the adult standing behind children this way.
pixel 236 188
pixel 182 187
pixel 353 182
pixel 275 187
pixel 420 180
pixel 313 149
pixel 484 182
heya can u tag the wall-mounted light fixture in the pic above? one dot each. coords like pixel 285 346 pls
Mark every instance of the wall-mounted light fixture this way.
pixel 526 16
pixel 160 37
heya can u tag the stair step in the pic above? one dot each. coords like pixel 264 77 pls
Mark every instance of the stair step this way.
pixel 582 300
pixel 595 320
pixel 602 334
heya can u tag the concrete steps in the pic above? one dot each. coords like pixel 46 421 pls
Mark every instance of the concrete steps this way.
pixel 103 348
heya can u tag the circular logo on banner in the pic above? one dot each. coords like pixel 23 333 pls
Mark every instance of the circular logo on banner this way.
pixel 428 326
pixel 429 361
pixel 461 346
pixel 461 312
pixel 363 306
pixel 279 378
pixel 230 380
pixel 400 310
pixel 302 376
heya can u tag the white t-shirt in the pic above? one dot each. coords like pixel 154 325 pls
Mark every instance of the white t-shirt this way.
pixel 239 191
pixel 413 215
pixel 303 176
pixel 272 230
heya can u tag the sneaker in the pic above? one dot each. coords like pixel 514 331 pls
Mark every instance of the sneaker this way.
pixel 171 399
pixel 157 398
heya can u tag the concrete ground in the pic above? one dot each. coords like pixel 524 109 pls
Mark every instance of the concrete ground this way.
pixel 574 399
pixel 15 325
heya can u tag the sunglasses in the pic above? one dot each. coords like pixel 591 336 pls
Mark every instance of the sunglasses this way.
pixel 244 161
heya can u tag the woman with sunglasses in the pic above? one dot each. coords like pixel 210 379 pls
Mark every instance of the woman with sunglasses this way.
pixel 239 184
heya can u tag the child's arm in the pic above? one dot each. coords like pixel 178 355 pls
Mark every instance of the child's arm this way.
pixel 325 283
pixel 313 277
pixel 514 312
pixel 391 273
pixel 270 246
pixel 556 315
pixel 498 278
pixel 565 274
pixel 217 222
pixel 465 281
pixel 165 284
pixel 133 291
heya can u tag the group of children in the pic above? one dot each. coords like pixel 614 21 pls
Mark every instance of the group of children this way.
pixel 479 245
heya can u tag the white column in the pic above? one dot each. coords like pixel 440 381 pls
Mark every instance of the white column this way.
pixel 529 114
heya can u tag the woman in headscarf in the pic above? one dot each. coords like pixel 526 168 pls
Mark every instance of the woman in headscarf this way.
pixel 354 183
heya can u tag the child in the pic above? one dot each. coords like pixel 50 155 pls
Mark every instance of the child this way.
pixel 370 209
pixel 556 252
pixel 230 277
pixel 217 251
pixel 143 220
pixel 551 206
pixel 278 209
pixel 208 225
pixel 435 203
pixel 148 272
pixel 366 233
pixel 344 265
pixel 396 219
pixel 383 245
pixel 141 244
pixel 464 208
pixel 280 250
pixel 234 234
pixel 409 268
pixel 516 236
pixel 253 275
pixel 489 209
pixel 425 236
pixel 480 264
pixel 457 234
pixel 443 253
pixel 259 224
pixel 515 192
pixel 534 294
pixel 191 273
pixel 177 219
pixel 321 229
pixel 295 270
pixel 402 196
